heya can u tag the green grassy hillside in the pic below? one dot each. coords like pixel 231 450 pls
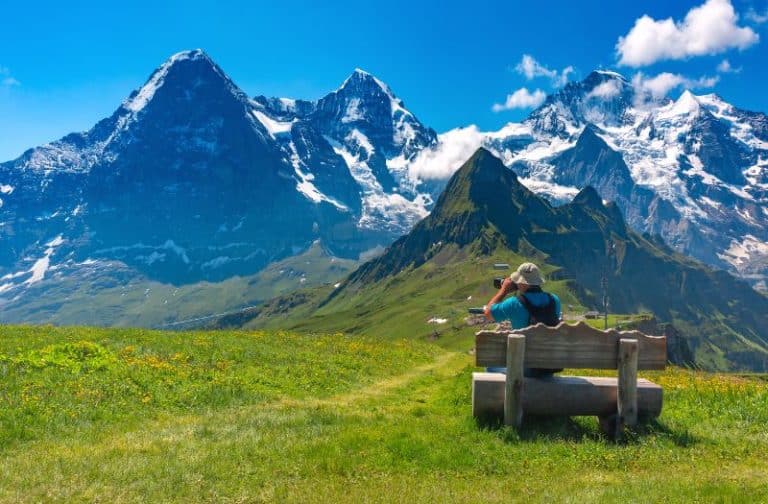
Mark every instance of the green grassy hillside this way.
pixel 141 416
pixel 401 306
pixel 485 215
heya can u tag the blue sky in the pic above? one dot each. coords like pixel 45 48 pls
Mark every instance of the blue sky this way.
pixel 65 65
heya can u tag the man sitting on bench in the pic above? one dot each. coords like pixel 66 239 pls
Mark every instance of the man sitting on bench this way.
pixel 530 306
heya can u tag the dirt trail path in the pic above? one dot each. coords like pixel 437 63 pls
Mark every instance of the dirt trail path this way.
pixel 443 363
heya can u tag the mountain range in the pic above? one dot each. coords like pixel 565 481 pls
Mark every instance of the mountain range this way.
pixel 693 170
pixel 486 216
pixel 191 181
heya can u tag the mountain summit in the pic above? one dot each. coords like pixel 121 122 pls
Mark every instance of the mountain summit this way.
pixel 693 170
pixel 191 179
pixel 485 210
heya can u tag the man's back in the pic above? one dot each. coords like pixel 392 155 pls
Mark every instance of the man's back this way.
pixel 513 310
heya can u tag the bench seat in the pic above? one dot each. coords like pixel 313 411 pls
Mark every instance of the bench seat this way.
pixel 561 395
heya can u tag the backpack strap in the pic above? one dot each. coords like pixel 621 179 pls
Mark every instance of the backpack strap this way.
pixel 528 307
pixel 534 310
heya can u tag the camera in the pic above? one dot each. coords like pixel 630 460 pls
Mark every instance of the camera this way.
pixel 498 281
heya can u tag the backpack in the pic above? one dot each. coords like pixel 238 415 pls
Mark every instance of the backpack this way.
pixel 545 314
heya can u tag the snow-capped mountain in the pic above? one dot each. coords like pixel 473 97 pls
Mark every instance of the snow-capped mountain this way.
pixel 365 129
pixel 191 179
pixel 693 170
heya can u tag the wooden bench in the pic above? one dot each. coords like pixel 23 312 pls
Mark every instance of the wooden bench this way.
pixel 616 401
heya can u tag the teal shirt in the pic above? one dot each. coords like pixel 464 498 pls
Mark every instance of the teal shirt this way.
pixel 513 310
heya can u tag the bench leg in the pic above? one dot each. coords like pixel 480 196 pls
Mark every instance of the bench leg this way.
pixel 611 426
pixel 627 386
pixel 513 392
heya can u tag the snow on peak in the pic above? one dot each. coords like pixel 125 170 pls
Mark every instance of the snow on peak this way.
pixel 686 104
pixel 189 54
pixel 359 88
pixel 140 99
pixel 360 75
pixel 711 98
pixel 611 74
pixel 273 126
pixel 715 103
pixel 289 104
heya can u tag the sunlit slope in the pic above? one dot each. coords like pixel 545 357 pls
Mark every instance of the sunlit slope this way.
pixel 485 215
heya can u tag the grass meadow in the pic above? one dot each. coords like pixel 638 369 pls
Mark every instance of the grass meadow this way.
pixel 122 415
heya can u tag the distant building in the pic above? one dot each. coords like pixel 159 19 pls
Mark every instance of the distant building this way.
pixel 501 266
pixel 592 315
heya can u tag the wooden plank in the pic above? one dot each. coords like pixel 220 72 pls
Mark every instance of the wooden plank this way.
pixel 561 396
pixel 570 346
pixel 627 382
pixel 513 391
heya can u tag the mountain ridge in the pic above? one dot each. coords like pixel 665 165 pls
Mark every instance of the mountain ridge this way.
pixel 485 211
pixel 698 161
pixel 190 179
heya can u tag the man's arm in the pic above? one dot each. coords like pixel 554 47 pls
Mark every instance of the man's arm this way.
pixel 506 288
pixel 558 307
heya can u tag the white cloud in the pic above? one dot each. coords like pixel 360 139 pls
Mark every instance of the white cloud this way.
pixel 659 86
pixel 6 79
pixel 442 160
pixel 522 98
pixel 708 29
pixel 726 67
pixel 756 17
pixel 605 90
pixel 563 79
pixel 532 69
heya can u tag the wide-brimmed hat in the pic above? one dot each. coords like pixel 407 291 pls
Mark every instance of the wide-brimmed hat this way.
pixel 528 274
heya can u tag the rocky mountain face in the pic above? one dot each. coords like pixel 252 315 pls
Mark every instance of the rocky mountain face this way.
pixel 190 179
pixel 693 170
pixel 485 207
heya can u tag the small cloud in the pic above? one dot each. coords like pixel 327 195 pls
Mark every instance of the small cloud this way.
pixel 708 29
pixel 6 79
pixel 521 99
pixel 532 69
pixel 659 86
pixel 726 67
pixel 605 90
pixel 442 160
pixel 563 79
pixel 756 17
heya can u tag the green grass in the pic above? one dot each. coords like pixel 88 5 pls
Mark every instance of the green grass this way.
pixel 400 306
pixel 129 415
pixel 619 320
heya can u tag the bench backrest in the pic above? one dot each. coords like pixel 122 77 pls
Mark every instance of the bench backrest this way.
pixel 570 346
